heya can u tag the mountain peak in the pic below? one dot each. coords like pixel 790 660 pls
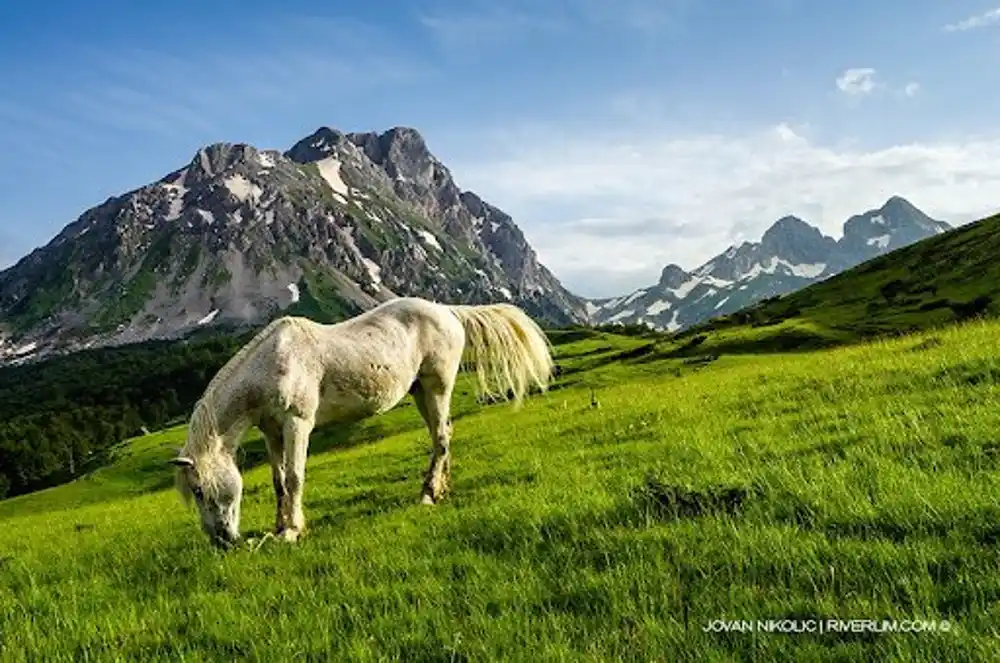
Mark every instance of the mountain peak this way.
pixel 898 203
pixel 402 133
pixel 794 240
pixel 317 145
pixel 673 276
pixel 216 158
pixel 896 223
pixel 397 149
pixel 790 224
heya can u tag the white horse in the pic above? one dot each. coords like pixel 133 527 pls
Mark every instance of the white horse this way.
pixel 296 374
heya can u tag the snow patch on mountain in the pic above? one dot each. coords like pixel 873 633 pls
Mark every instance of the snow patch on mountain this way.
pixel 621 316
pixel 176 191
pixel 806 271
pixel 242 188
pixel 634 296
pixel 374 271
pixel 266 160
pixel 329 170
pixel 430 239
pixel 658 307
pixel 684 289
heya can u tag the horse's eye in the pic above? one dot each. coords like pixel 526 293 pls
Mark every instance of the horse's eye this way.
pixel 197 493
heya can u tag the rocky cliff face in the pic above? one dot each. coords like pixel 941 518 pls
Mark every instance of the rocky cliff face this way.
pixel 791 255
pixel 238 235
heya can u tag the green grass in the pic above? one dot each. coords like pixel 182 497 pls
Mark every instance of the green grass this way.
pixel 859 482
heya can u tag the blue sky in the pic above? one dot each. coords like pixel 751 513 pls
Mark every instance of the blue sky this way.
pixel 621 135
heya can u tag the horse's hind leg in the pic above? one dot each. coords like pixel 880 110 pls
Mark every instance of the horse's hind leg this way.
pixel 433 399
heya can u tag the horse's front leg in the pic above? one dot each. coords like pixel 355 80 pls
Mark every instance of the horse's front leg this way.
pixel 296 445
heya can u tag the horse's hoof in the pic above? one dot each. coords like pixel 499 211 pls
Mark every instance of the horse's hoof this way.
pixel 289 535
pixel 427 500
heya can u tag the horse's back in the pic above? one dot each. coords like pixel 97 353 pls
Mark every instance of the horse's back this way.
pixel 431 325
pixel 365 365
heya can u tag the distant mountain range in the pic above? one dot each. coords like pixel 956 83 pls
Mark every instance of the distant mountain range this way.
pixel 343 221
pixel 338 223
pixel 791 255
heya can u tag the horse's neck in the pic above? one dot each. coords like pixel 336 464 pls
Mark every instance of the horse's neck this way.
pixel 227 409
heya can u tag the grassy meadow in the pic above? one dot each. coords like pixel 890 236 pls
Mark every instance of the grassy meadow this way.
pixel 859 482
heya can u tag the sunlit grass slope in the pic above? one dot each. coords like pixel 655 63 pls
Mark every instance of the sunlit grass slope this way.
pixel 860 482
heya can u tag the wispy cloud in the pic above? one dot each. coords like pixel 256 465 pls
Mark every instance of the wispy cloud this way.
pixel 637 15
pixel 857 81
pixel 607 220
pixel 518 19
pixel 175 92
pixel 978 21
pixel 911 89
pixel 94 120
pixel 488 24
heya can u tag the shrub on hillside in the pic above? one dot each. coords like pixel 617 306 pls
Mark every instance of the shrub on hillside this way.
pixel 892 288
pixel 972 309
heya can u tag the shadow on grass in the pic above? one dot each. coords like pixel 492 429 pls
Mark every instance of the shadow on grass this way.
pixel 979 527
pixel 654 499
pixel 785 340
pixel 332 514
pixel 830 452
pixel 638 352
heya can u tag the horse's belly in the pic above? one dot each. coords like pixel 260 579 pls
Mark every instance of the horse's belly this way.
pixel 343 411
pixel 362 398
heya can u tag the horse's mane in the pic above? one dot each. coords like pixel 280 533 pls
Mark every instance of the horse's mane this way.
pixel 203 425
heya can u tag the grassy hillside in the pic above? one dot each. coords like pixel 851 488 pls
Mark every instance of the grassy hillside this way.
pixel 938 281
pixel 861 482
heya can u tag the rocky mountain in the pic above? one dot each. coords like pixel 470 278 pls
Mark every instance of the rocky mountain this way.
pixel 790 255
pixel 333 226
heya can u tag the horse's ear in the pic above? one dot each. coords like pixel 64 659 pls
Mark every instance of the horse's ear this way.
pixel 182 461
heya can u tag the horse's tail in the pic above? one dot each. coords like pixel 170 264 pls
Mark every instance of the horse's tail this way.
pixel 509 350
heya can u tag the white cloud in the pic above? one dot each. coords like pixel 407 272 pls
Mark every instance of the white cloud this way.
pixel 911 89
pixel 857 81
pixel 979 21
pixel 606 212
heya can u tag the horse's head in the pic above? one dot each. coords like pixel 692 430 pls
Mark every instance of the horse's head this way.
pixel 215 484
